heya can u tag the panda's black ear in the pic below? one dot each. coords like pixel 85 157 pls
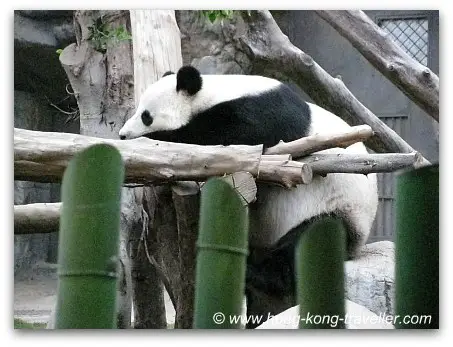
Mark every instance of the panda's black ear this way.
pixel 168 73
pixel 188 79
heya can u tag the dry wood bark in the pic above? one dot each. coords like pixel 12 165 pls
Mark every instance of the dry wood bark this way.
pixel 43 156
pixel 155 51
pixel 319 142
pixel 44 217
pixel 323 164
pixel 186 198
pixel 39 217
pixel 159 208
pixel 415 80
pixel 270 50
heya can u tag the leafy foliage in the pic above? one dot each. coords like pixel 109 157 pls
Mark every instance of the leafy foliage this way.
pixel 213 15
pixel 102 35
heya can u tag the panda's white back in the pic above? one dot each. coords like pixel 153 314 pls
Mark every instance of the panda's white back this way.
pixel 220 88
pixel 354 196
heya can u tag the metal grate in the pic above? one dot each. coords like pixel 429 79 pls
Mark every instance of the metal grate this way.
pixel 411 34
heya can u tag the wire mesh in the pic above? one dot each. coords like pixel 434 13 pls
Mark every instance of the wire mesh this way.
pixel 411 34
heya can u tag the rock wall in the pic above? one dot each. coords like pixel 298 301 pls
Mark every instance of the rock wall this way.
pixel 211 47
pixel 39 80
pixel 370 279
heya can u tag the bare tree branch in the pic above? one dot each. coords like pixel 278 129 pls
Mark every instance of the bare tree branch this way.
pixel 36 218
pixel 322 164
pixel 415 80
pixel 269 49
pixel 319 142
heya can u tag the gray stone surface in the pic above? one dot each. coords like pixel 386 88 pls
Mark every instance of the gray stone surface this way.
pixel 35 299
pixel 211 47
pixel 37 36
pixel 370 279
pixel 32 111
pixel 43 28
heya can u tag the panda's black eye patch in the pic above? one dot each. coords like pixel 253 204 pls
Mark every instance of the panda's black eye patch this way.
pixel 146 118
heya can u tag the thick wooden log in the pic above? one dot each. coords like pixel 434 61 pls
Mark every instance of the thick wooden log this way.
pixel 415 80
pixel 186 197
pixel 36 218
pixel 43 218
pixel 156 50
pixel 272 52
pixel 43 157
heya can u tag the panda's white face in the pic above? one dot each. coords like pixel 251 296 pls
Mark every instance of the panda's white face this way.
pixel 161 107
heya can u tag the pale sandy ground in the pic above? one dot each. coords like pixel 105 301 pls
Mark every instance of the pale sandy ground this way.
pixel 35 298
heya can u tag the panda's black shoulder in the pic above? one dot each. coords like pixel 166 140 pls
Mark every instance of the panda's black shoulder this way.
pixel 265 117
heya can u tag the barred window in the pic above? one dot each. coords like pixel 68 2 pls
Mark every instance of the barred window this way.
pixel 411 34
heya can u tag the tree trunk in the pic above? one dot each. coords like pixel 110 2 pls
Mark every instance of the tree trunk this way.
pixel 416 81
pixel 103 85
pixel 157 49
pixel 186 198
pixel 270 50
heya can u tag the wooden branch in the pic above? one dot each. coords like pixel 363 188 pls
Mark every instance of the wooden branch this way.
pixel 44 218
pixel 244 184
pixel 415 80
pixel 271 51
pixel 43 156
pixel 319 142
pixel 36 218
pixel 286 170
pixel 322 164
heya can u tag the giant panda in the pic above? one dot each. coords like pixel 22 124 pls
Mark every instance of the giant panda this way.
pixel 188 107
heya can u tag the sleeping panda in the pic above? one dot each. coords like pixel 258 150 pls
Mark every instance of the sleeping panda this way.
pixel 241 109
pixel 188 107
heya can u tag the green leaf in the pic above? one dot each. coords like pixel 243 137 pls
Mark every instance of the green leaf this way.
pixel 212 17
pixel 102 35
pixel 59 51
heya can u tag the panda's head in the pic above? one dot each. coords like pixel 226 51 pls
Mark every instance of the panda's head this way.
pixel 165 105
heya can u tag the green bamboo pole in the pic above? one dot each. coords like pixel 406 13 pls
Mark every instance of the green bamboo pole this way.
pixel 320 256
pixel 417 248
pixel 89 237
pixel 221 258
